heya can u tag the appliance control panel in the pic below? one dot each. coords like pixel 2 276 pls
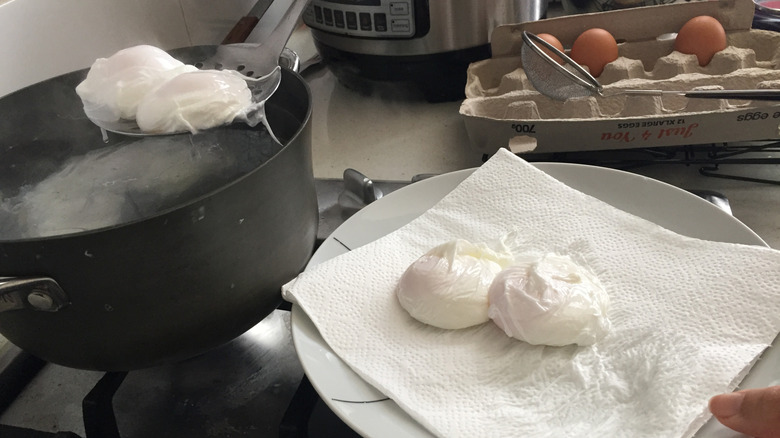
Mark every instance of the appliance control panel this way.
pixel 363 18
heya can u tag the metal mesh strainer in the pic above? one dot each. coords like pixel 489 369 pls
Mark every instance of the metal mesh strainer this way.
pixel 552 79
pixel 571 80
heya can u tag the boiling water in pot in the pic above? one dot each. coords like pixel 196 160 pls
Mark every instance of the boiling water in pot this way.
pixel 59 174
pixel 180 282
pixel 129 180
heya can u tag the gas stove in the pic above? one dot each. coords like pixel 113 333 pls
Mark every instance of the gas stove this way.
pixel 253 386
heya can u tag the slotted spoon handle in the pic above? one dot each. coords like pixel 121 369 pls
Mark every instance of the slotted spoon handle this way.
pixel 274 40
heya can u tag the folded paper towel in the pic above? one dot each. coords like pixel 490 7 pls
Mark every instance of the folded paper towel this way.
pixel 688 316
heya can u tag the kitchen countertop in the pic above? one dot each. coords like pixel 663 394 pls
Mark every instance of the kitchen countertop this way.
pixel 390 133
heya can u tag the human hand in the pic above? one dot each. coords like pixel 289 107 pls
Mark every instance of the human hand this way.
pixel 754 412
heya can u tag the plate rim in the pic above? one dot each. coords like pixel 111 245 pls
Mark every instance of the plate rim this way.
pixel 298 316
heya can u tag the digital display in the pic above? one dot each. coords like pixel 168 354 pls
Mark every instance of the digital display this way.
pixel 364 18
pixel 357 2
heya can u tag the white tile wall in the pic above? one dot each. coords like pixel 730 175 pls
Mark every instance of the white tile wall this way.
pixel 209 21
pixel 44 38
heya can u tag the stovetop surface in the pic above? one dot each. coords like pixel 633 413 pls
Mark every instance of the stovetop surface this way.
pixel 253 386
pixel 241 388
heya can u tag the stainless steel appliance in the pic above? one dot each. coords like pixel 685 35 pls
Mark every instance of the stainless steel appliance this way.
pixel 427 43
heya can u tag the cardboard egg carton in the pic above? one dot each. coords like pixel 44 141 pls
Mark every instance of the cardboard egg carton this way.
pixel 502 108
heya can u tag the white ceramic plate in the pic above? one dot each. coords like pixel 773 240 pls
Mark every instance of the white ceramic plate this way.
pixel 367 410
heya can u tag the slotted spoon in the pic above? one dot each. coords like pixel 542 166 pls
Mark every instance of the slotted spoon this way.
pixel 258 63
pixel 571 80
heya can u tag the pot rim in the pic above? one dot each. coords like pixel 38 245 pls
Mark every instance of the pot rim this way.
pixel 287 74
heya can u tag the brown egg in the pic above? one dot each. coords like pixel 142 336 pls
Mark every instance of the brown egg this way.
pixel 555 42
pixel 594 48
pixel 702 36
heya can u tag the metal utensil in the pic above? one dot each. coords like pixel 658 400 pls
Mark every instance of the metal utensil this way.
pixel 259 63
pixel 570 80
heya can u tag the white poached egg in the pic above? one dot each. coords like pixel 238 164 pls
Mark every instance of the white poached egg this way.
pixel 194 101
pixel 114 86
pixel 448 286
pixel 549 300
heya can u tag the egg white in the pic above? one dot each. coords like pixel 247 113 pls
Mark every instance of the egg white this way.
pixel 549 300
pixel 448 286
pixel 115 86
pixel 194 101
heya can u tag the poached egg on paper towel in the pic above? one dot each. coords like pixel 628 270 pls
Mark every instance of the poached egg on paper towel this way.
pixel 448 286
pixel 542 299
pixel 549 300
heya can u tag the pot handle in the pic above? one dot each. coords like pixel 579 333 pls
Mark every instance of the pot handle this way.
pixel 36 293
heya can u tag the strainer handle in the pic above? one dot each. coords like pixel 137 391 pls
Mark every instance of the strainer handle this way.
pixel 734 94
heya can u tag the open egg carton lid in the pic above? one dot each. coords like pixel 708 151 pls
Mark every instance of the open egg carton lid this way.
pixel 502 109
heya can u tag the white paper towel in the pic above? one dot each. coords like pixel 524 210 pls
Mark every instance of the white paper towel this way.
pixel 688 318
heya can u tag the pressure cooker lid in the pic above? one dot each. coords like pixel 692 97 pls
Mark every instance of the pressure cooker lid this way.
pixel 61 174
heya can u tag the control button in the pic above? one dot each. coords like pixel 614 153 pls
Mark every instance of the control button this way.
pixel 308 14
pixel 365 21
pixel 380 22
pixel 399 8
pixel 338 18
pixel 351 20
pixel 402 26
pixel 328 13
pixel 318 14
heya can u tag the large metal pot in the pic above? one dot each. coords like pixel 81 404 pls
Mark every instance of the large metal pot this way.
pixel 158 288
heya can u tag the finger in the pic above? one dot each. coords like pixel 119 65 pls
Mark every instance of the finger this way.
pixel 754 412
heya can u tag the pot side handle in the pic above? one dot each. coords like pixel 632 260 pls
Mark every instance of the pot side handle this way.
pixel 35 293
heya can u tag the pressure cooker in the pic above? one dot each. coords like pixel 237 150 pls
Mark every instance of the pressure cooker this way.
pixel 427 43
